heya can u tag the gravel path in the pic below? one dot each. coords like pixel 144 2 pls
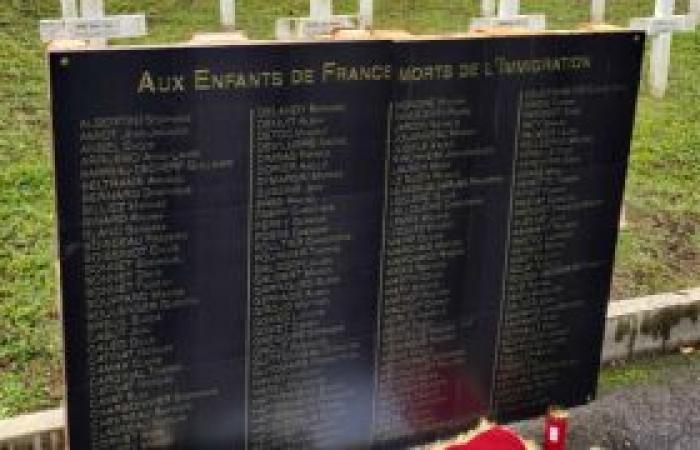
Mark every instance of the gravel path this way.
pixel 663 416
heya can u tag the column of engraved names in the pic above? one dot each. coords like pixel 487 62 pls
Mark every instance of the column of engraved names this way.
pixel 127 181
pixel 550 147
pixel 427 195
pixel 296 252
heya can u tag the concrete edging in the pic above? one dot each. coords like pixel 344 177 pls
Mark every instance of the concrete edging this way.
pixel 34 430
pixel 659 322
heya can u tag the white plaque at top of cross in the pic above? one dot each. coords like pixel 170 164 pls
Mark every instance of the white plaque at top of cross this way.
pixel 322 21
pixel 508 15
pixel 661 27
pixel 91 25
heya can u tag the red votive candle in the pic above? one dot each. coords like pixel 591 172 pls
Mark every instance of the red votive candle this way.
pixel 556 425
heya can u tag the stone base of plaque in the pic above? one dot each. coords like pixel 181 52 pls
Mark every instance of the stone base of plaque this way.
pixel 66 44
pixel 38 431
pixel 603 27
pixel 224 37
pixel 370 34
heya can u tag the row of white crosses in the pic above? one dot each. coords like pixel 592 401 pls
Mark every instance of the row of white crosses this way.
pixel 92 24
pixel 660 27
pixel 89 23
pixel 322 20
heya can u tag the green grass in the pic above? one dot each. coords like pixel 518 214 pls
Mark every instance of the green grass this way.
pixel 659 251
pixel 29 368
pixel 647 370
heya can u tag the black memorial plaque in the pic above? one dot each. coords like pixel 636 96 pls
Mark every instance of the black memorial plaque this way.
pixel 338 244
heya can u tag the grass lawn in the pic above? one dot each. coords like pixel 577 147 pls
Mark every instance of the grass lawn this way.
pixel 651 369
pixel 659 251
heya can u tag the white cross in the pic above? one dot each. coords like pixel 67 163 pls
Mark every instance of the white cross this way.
pixel 694 11
pixel 321 9
pixel 488 8
pixel 68 8
pixel 228 13
pixel 93 9
pixel 366 13
pixel 320 21
pixel 508 16
pixel 92 25
pixel 661 27
pixel 597 11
